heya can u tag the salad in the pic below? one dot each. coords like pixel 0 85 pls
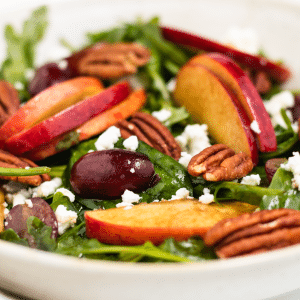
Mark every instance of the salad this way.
pixel 147 144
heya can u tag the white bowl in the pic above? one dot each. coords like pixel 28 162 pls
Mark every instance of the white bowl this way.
pixel 42 275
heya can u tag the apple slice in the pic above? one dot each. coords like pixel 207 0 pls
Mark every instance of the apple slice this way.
pixel 93 127
pixel 68 119
pixel 236 79
pixel 158 221
pixel 49 102
pixel 275 70
pixel 211 102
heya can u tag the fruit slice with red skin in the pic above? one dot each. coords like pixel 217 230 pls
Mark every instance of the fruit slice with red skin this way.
pixel 49 102
pixel 237 80
pixel 68 119
pixel 155 222
pixel 93 127
pixel 211 102
pixel 275 70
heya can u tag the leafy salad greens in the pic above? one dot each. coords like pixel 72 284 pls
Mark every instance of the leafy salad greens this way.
pixel 165 62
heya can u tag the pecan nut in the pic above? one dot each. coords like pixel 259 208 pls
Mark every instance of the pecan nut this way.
pixel 219 162
pixel 7 160
pixel 9 101
pixel 151 131
pixel 253 233
pixel 110 61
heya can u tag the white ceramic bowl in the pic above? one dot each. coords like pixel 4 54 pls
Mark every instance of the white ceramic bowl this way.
pixel 42 275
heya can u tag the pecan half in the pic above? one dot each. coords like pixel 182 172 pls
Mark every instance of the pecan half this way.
pixel 109 61
pixel 254 233
pixel 151 131
pixel 219 162
pixel 7 160
pixel 9 100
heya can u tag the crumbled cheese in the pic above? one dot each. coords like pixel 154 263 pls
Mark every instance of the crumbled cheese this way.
pixel 131 143
pixel 207 197
pixel 29 203
pixel 162 115
pixel 182 193
pixel 19 85
pixel 29 74
pixel 6 212
pixel 282 100
pixel 185 159
pixel 293 165
pixel 19 199
pixel 108 138
pixel 47 188
pixel 63 64
pixel 132 170
pixel 66 193
pixel 128 198
pixel 253 179
pixel 194 139
pixel 65 218
pixel 254 126
pixel 244 39
pixel 171 85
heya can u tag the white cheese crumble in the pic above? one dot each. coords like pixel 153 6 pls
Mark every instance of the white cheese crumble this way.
pixel 255 127
pixel 19 199
pixel 207 197
pixel 29 203
pixel 66 193
pixel 185 159
pixel 128 198
pixel 293 165
pixel 6 212
pixel 182 193
pixel 253 179
pixel 162 115
pixel 47 188
pixel 171 85
pixel 63 64
pixel 131 143
pixel 65 218
pixel 244 39
pixel 29 74
pixel 282 100
pixel 194 139
pixel 108 138
pixel 19 85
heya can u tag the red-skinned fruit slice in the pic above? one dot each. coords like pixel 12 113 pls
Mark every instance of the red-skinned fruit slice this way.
pixel 240 84
pixel 275 70
pixel 210 102
pixel 68 119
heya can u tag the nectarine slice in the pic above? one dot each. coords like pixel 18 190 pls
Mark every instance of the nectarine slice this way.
pixel 155 222
pixel 211 102
pixel 49 102
pixel 94 126
pixel 67 119
pixel 236 79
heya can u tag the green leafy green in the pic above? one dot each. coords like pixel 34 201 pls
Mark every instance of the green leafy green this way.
pixel 11 236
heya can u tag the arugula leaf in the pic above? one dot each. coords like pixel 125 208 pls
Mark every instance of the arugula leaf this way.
pixel 11 236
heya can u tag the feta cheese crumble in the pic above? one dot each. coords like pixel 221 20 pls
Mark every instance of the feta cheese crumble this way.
pixel 66 193
pixel 182 193
pixel 207 197
pixel 47 188
pixel 131 143
pixel 282 100
pixel 293 165
pixel 28 202
pixel 253 179
pixel 128 198
pixel 108 138
pixel 254 126
pixel 162 115
pixel 244 39
pixel 185 159
pixel 194 139
pixel 65 218
pixel 19 85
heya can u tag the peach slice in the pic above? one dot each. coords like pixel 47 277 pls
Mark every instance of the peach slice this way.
pixel 94 126
pixel 211 102
pixel 158 221
pixel 68 119
pixel 236 79
pixel 49 102
pixel 255 62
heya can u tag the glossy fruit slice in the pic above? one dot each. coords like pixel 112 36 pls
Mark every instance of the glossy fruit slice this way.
pixel 155 222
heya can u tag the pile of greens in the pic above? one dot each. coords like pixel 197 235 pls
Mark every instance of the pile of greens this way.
pixel 164 64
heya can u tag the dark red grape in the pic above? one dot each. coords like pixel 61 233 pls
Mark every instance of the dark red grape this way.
pixel 48 75
pixel 272 165
pixel 107 174
pixel 18 215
